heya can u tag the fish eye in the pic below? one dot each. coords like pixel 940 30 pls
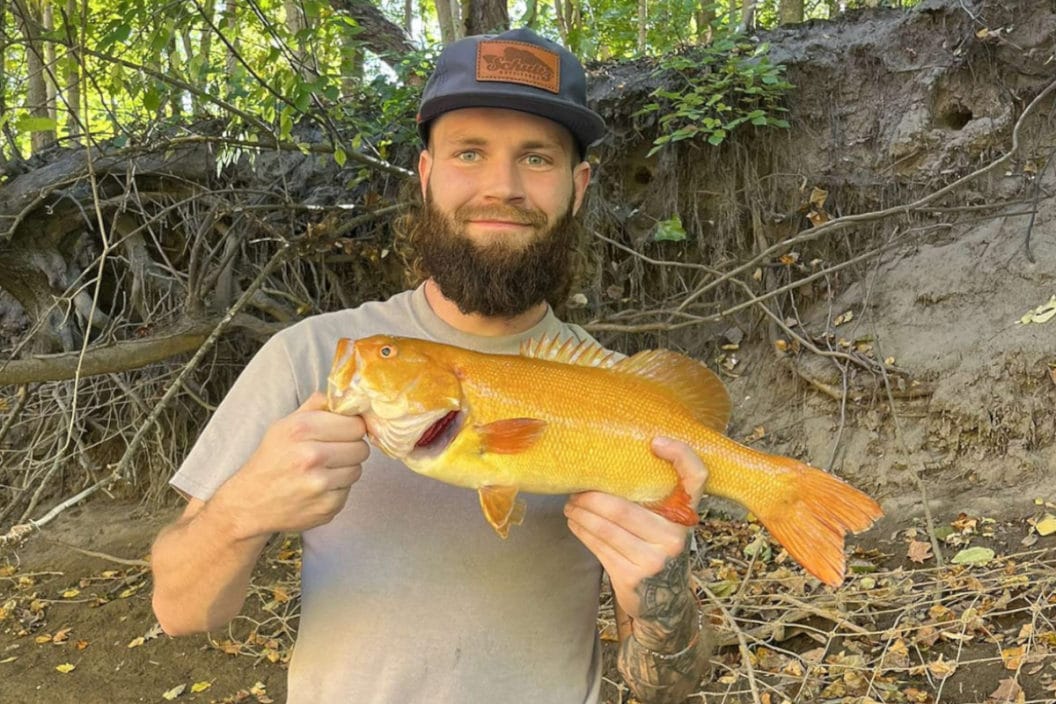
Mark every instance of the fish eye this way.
pixel 387 351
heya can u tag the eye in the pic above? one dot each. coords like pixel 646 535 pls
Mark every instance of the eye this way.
pixel 468 156
pixel 387 351
pixel 536 160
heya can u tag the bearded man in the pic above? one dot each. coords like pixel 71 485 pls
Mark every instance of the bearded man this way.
pixel 407 596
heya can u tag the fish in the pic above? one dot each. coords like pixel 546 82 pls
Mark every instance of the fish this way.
pixel 564 417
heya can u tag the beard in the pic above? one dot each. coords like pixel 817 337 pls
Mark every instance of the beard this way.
pixel 498 279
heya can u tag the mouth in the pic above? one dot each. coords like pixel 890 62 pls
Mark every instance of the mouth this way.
pixel 439 435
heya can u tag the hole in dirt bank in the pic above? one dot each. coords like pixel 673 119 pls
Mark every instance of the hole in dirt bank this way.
pixel 955 117
pixel 642 175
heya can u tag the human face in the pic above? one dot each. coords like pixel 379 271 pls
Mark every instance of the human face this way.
pixel 494 280
pixel 493 166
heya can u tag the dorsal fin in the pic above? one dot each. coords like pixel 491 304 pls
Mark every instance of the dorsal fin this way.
pixel 586 354
pixel 688 380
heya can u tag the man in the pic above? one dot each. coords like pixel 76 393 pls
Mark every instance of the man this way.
pixel 407 594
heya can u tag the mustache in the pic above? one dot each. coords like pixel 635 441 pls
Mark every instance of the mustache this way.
pixel 508 213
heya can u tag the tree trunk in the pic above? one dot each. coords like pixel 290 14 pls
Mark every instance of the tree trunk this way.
pixel 229 23
pixel 196 63
pixel 296 23
pixel 50 67
pixel 377 34
pixel 748 15
pixel 643 18
pixel 3 74
pixel 790 12
pixel 29 23
pixel 447 14
pixel 485 16
pixel 73 69
pixel 705 18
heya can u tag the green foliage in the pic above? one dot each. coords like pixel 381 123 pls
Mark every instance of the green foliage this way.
pixel 722 86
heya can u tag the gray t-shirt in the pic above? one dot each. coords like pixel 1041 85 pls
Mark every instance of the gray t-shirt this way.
pixel 408 595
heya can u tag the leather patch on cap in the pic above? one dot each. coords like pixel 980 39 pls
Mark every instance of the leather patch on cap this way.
pixel 519 62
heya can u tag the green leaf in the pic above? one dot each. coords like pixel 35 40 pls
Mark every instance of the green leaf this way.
pixel 35 124
pixel 717 137
pixel 339 156
pixel 151 100
pixel 118 34
pixel 973 556
pixel 670 230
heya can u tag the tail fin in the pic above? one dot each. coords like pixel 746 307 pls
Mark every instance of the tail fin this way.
pixel 813 516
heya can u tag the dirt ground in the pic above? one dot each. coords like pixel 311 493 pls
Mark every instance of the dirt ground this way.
pixel 899 630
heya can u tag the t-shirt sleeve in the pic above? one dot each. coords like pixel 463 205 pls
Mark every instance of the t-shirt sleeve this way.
pixel 265 391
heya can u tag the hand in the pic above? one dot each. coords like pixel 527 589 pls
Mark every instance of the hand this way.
pixel 631 542
pixel 300 474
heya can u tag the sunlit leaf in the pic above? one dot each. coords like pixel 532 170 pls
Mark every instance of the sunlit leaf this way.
pixel 669 230
pixel 174 692
pixel 66 668
pixel 973 556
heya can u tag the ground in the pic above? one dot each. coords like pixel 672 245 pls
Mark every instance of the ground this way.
pixel 899 630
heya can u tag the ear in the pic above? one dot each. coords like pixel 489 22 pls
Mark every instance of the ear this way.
pixel 580 180
pixel 425 166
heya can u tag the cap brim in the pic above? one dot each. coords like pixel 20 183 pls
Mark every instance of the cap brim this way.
pixel 585 125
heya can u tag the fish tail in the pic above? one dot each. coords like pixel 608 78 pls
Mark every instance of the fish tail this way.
pixel 811 514
pixel 676 507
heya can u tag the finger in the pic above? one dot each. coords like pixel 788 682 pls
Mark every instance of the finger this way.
pixel 341 478
pixel 316 402
pixel 611 559
pixel 686 462
pixel 323 426
pixel 634 532
pixel 346 454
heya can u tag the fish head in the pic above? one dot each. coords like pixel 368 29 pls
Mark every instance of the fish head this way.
pixel 400 387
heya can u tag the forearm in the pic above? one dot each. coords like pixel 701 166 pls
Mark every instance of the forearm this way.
pixel 664 650
pixel 202 569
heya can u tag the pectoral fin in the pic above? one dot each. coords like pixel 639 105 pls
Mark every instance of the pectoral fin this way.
pixel 510 436
pixel 501 508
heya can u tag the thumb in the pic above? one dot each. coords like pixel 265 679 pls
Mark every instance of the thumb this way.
pixel 686 462
pixel 316 402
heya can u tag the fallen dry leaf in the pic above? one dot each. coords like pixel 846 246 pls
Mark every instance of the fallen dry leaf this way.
pixel 942 668
pixel 1047 525
pixel 66 668
pixel 1012 657
pixel 1008 691
pixel 919 551
pixel 200 687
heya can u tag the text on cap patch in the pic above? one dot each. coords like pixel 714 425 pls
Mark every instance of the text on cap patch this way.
pixel 519 62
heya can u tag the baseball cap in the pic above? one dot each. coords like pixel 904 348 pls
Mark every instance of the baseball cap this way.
pixel 516 70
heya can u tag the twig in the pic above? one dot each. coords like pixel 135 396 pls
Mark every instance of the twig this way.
pixel 1034 209
pixel 100 555
pixel 746 655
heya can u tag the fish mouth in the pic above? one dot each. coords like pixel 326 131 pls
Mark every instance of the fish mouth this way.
pixel 439 435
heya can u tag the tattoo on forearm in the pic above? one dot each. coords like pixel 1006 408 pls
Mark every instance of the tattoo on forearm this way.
pixel 664 656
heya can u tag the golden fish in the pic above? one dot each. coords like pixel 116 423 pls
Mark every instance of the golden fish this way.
pixel 563 418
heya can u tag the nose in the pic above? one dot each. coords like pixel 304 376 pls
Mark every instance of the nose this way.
pixel 504 182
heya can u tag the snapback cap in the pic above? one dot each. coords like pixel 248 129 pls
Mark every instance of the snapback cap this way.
pixel 516 70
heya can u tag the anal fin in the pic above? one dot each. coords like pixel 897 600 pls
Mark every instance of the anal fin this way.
pixel 676 507
pixel 501 508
